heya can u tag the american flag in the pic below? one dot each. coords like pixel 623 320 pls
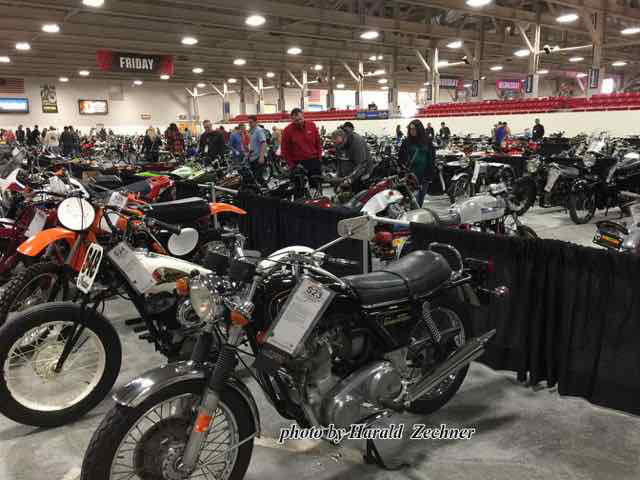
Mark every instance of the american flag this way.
pixel 11 86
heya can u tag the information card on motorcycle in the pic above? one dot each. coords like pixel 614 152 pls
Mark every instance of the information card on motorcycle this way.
pixel 129 264
pixel 304 308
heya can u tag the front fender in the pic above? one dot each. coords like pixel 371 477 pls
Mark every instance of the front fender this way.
pixel 153 381
pixel 216 208
pixel 33 246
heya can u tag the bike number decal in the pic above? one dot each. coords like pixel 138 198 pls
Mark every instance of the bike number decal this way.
pixel 552 178
pixel 90 267
pixel 303 309
pixel 117 200
pixel 476 171
pixel 37 223
pixel 132 268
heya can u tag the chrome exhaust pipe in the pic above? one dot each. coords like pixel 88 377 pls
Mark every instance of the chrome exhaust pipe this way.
pixel 462 357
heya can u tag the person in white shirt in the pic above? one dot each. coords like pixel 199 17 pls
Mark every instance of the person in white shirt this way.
pixel 52 140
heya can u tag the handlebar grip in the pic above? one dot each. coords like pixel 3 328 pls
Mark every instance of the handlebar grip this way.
pixel 343 262
pixel 167 226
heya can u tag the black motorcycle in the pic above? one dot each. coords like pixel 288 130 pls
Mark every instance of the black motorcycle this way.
pixel 328 351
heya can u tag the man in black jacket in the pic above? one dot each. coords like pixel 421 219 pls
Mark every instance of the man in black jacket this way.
pixel 430 132
pixel 20 134
pixel 67 142
pixel 538 131
pixel 211 145
pixel 445 133
pixel 35 136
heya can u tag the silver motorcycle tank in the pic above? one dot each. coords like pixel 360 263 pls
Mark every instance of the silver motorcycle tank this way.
pixel 481 208
pixel 420 215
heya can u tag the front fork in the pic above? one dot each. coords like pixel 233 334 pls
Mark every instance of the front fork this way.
pixel 210 400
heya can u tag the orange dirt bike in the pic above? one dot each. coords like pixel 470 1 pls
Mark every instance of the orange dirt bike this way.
pixel 60 359
pixel 41 281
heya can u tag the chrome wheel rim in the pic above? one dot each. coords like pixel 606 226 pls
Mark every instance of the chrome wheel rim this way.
pixel 29 369
pixel 216 461
pixel 28 298
pixel 585 205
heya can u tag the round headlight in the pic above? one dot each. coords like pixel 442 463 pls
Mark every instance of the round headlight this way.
pixel 200 296
pixel 589 160
pixel 532 165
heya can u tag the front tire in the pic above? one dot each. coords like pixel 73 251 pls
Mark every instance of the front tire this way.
pixel 31 392
pixel 105 458
pixel 582 206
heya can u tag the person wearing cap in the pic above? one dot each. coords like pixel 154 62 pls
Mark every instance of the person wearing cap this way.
pixel 348 127
pixel 355 160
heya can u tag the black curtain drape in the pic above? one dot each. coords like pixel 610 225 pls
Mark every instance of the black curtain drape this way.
pixel 572 319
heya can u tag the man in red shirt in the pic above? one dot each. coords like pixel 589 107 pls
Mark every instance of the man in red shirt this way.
pixel 301 144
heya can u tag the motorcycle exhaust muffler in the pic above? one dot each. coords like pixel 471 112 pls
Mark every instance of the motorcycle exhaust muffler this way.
pixel 462 357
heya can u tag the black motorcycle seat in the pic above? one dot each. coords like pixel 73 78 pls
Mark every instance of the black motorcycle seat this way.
pixel 629 164
pixel 413 275
pixel 570 171
pixel 180 211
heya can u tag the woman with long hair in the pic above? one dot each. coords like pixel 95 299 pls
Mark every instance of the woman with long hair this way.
pixel 417 154
pixel 175 140
pixel 151 145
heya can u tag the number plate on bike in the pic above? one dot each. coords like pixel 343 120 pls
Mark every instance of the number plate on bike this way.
pixel 90 267
pixel 303 309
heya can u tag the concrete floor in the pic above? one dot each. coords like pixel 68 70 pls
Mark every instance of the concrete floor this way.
pixel 522 432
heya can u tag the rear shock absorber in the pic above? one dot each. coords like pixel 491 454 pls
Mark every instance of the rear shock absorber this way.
pixel 431 325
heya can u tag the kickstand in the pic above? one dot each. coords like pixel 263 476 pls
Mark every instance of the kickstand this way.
pixel 372 457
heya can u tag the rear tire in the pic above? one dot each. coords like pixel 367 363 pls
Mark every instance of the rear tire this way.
pixel 582 206
pixel 527 233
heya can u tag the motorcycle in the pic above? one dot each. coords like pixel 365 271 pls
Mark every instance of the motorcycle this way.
pixel 329 351
pixel 60 359
pixel 476 177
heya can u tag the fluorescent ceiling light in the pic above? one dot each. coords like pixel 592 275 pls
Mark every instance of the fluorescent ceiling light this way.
pixel 496 68
pixel 288 84
pixel 317 67
pixel 198 70
pixel 543 71
pixel 340 85
pixel 467 85
pixel 373 58
pixel 23 46
pixel 581 75
pixel 63 79
pixel 483 78
pixel 51 28
pixel 380 71
pixel 201 85
pixel 93 3
pixel 619 63
pixel 567 18
pixel 5 59
pixel 524 52
pixel 137 82
pixel 369 35
pixel 443 63
pixel 383 80
pixel 270 74
pixel 384 88
pixel 630 31
pixel 189 40
pixel 83 73
pixel 478 3
pixel 164 77
pixel 232 80
pixel 255 20
pixel 423 89
pixel 576 59
pixel 380 57
pixel 427 83
pixel 239 62
pixel 455 44
pixel 294 51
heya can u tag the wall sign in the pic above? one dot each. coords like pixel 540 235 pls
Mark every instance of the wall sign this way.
pixel 109 61
pixel 93 107
pixel 49 98
pixel 594 78
pixel 14 105
pixel 451 83
pixel 145 116
pixel 475 88
pixel 529 84
pixel 509 84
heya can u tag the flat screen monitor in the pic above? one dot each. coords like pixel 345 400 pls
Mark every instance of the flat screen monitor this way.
pixel 14 105
pixel 93 107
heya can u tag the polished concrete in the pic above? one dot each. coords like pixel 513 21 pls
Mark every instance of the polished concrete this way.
pixel 522 432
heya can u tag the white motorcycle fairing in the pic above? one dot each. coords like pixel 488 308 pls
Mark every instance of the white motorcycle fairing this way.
pixel 381 200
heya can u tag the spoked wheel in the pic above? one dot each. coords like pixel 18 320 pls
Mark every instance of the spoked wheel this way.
pixel 582 206
pixel 35 388
pixel 447 313
pixel 148 442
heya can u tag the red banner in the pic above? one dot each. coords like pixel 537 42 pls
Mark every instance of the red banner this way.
pixel 109 61
pixel 510 84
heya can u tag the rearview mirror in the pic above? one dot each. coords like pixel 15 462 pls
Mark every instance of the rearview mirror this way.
pixel 359 228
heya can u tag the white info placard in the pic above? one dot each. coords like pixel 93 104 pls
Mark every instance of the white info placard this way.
pixel 37 223
pixel 304 308
pixel 129 264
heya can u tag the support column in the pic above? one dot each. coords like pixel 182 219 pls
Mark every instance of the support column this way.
pixel 260 103
pixel 394 91
pixel 243 99
pixel 534 64
pixel 478 55
pixel 597 72
pixel 331 98
pixel 304 92
pixel 281 99
pixel 226 104
pixel 360 87
pixel 435 76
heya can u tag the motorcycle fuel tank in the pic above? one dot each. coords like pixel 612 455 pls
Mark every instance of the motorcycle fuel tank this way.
pixel 481 208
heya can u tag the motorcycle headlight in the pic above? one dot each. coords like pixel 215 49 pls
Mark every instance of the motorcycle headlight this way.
pixel 589 160
pixel 533 164
pixel 204 298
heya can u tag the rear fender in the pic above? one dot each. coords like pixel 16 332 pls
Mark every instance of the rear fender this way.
pixel 217 208
pixel 134 393
pixel 33 246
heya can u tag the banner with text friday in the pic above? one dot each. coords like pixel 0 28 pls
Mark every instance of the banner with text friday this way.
pixel 109 61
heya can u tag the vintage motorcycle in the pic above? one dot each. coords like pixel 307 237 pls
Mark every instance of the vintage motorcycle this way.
pixel 60 359
pixel 329 351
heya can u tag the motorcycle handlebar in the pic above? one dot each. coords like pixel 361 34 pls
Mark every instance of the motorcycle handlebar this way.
pixel 167 226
